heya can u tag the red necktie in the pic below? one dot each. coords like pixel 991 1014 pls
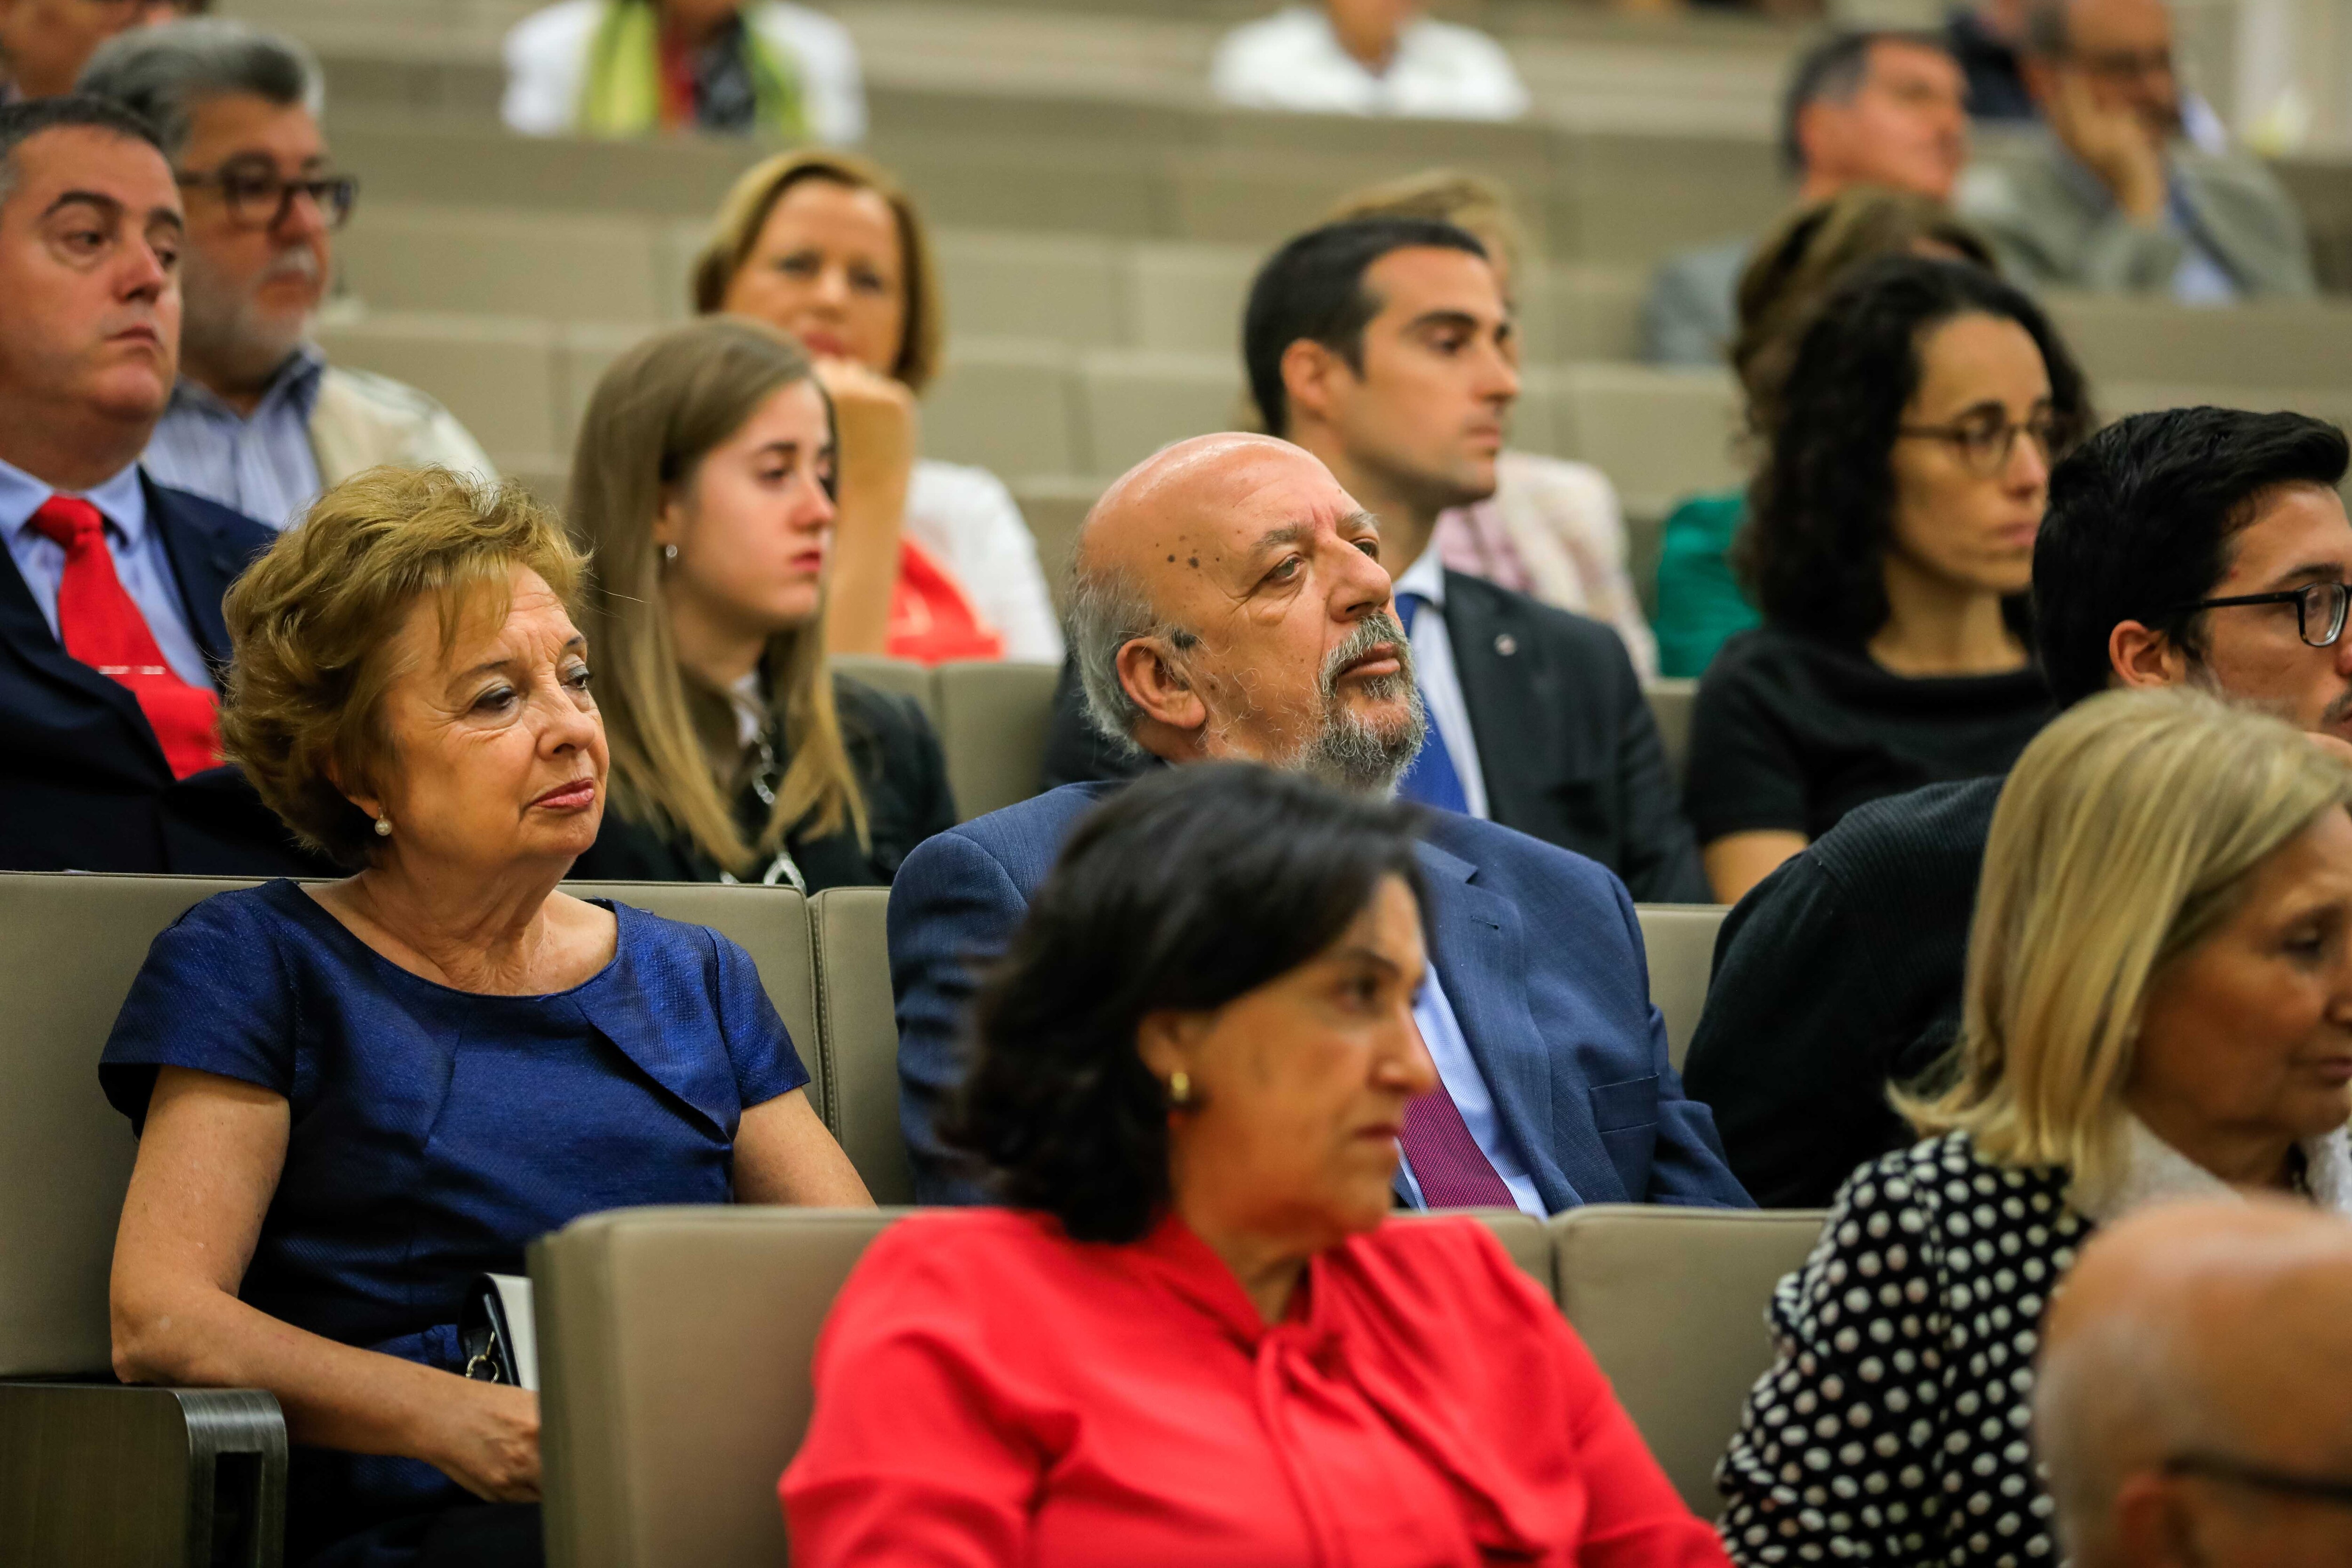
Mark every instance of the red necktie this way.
pixel 1451 1171
pixel 101 626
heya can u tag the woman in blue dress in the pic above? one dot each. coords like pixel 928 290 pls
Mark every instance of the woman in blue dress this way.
pixel 353 1098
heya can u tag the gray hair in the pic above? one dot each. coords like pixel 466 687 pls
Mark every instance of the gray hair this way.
pixel 1107 611
pixel 163 73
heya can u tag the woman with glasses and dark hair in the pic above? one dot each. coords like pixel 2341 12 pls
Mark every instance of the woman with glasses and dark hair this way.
pixel 259 421
pixel 1197 1335
pixel 1890 547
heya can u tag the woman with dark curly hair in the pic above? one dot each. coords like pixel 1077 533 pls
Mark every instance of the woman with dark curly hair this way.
pixel 1890 547
pixel 1197 1336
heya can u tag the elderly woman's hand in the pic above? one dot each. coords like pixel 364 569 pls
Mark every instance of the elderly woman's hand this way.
pixel 486 1440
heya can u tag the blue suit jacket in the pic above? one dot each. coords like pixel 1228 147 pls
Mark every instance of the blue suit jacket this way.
pixel 1537 949
pixel 83 783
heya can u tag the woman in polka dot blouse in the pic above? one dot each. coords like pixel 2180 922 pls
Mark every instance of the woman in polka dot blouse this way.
pixel 2158 1004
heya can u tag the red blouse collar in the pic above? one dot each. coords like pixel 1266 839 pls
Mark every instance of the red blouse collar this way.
pixel 1172 1253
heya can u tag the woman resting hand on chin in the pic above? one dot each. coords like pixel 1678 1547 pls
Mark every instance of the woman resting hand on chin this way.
pixel 353 1098
pixel 1196 1336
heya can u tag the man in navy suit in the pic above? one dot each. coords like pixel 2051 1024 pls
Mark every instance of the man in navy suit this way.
pixel 106 762
pixel 1231 603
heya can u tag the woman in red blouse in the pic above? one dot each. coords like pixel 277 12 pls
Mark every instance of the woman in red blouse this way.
pixel 1196 1337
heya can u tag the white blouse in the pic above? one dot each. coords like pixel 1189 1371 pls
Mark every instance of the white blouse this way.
pixel 1294 60
pixel 968 520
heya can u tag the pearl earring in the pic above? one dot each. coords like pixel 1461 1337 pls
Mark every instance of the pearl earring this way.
pixel 1180 1089
pixel 669 554
pixel 384 827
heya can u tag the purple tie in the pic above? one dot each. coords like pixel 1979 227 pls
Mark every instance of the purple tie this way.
pixel 1447 1161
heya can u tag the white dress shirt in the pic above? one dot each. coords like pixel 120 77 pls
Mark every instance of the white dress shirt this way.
pixel 260 464
pixel 140 563
pixel 547 67
pixel 971 523
pixel 1293 59
pixel 1458 1071
pixel 1433 668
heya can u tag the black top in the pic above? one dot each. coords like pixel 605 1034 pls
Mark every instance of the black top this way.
pixel 1791 732
pixel 1567 745
pixel 897 759
pixel 1838 976
pixel 1996 85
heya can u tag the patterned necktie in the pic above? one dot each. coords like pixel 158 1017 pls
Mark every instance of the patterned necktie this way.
pixel 1451 1170
pixel 1432 779
pixel 100 625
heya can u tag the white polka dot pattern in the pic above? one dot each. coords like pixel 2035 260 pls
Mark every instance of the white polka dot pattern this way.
pixel 1893 1427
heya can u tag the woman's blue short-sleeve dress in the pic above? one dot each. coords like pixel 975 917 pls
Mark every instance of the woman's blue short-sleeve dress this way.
pixel 436 1132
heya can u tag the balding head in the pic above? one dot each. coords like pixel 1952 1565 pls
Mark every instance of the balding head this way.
pixel 2194 1349
pixel 1228 601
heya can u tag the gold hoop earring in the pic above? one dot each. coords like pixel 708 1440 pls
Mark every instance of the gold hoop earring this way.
pixel 1180 1090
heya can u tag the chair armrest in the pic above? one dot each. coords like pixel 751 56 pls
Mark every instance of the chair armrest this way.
pixel 99 1475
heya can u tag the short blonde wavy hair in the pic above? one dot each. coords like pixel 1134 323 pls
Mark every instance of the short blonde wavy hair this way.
pixel 310 623
pixel 2125 836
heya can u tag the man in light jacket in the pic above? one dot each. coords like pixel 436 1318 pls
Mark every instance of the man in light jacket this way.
pixel 2111 196
pixel 259 421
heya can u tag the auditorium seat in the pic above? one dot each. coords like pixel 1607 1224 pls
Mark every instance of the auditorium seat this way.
pixel 1136 402
pixel 993 722
pixel 565 265
pixel 93 1473
pixel 1672 699
pixel 99 1475
pixel 1067 289
pixel 1005 406
pixel 901 677
pixel 1658 433
pixel 1054 507
pixel 496 374
pixel 1679 940
pixel 1188 297
pixel 1671 1302
pixel 858 1034
pixel 674 1351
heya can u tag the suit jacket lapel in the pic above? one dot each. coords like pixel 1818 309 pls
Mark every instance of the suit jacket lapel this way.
pixel 1479 948
pixel 25 632
pixel 202 563
pixel 1496 691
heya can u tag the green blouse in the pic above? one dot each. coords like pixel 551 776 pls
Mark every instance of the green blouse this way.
pixel 1699 601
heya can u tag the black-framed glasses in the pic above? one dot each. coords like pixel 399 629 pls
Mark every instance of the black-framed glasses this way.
pixel 2246 1473
pixel 257 198
pixel 2319 609
pixel 1986 444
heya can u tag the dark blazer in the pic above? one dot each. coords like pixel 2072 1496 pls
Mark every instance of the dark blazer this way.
pixel 1537 949
pixel 83 782
pixel 1566 742
pixel 898 766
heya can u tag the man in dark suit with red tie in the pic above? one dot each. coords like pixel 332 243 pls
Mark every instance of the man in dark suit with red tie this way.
pixel 112 647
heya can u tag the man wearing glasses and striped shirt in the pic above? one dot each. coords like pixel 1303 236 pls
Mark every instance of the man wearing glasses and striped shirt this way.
pixel 259 421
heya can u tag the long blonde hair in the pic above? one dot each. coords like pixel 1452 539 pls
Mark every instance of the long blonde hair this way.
pixel 657 411
pixel 2125 836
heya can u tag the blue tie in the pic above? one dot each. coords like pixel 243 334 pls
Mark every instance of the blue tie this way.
pixel 1432 779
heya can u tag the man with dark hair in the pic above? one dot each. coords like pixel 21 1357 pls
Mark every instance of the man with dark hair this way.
pixel 2196 546
pixel 1384 347
pixel 112 641
pixel 1862 108
pixel 1230 601
pixel 259 421
pixel 2111 196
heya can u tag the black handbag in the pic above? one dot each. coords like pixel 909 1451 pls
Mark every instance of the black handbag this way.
pixel 497 1334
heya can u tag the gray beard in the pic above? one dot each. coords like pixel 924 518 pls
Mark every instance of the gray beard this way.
pixel 1347 752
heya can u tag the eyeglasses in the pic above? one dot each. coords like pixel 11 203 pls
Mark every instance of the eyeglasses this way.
pixel 2319 609
pixel 261 200
pixel 2244 1472
pixel 1987 443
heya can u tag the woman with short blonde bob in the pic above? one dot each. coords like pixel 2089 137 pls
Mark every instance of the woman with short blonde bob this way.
pixel 704 487
pixel 936 562
pixel 2158 1004
pixel 355 1097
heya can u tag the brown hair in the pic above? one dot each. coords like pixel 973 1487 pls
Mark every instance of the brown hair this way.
pixel 657 411
pixel 1471 202
pixel 745 212
pixel 1799 261
pixel 310 621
